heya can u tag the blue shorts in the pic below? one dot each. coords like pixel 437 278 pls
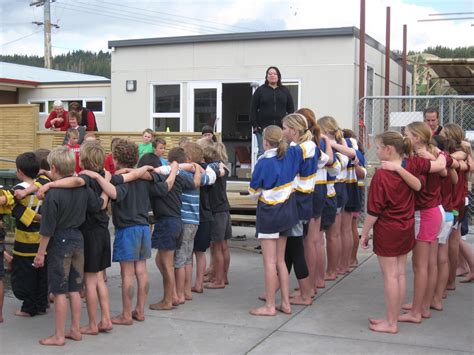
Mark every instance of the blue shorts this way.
pixel 167 233
pixel 132 243
pixel 319 196
pixel 341 194
pixel 328 216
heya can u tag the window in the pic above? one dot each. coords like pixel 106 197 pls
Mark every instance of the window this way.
pixel 166 107
pixel 42 106
pixel 293 88
pixel 96 106
pixel 205 108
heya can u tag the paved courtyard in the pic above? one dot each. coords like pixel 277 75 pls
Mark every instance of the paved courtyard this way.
pixel 218 321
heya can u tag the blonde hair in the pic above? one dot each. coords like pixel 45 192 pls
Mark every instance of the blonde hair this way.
pixel 329 125
pixel 210 154
pixel 455 133
pixel 193 151
pixel 149 131
pixel 63 159
pixel 312 124
pixel 204 142
pixel 299 123
pixel 72 132
pixel 423 132
pixel 274 137
pixel 401 144
pixel 221 151
pixel 92 156
pixel 90 137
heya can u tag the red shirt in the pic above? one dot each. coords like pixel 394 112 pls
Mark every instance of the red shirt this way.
pixel 76 149
pixel 63 126
pixel 109 164
pixel 430 194
pixel 393 202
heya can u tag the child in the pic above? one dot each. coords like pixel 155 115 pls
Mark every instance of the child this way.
pixel 146 146
pixel 64 210
pixel 221 229
pixel 73 138
pixel 390 209
pixel 272 184
pixel 109 160
pixel 28 284
pixel 159 147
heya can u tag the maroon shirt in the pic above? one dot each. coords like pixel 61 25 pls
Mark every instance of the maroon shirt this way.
pixel 430 194
pixel 393 202
pixel 460 192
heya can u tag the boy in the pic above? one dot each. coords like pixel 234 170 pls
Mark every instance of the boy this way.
pixel 28 284
pixel 64 210
pixel 146 146
pixel 74 119
pixel 72 139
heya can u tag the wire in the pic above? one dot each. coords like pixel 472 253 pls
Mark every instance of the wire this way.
pixel 20 38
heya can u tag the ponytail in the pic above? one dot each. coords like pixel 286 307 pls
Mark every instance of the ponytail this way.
pixel 281 149
pixel 407 146
pixel 339 136
pixel 312 124
pixel 274 136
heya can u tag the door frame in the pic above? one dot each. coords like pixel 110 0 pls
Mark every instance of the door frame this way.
pixel 192 86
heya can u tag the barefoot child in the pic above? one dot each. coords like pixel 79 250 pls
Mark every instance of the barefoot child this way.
pixel 64 210
pixel 390 209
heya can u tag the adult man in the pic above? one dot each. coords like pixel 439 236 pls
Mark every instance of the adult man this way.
pixel 87 116
pixel 432 119
pixel 74 117
pixel 58 118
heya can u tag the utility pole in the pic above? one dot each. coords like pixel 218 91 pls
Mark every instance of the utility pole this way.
pixel 48 58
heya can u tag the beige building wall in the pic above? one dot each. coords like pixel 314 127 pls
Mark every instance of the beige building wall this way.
pixel 71 91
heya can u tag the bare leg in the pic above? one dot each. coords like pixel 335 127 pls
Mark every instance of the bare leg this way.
pixel 462 268
pixel 283 276
pixel 355 246
pixel 466 252
pixel 200 270
pixel 179 275
pixel 453 241
pixel 75 303
pixel 443 275
pixel 320 256
pixel 226 253
pixel 127 272
pixel 143 287
pixel 432 278
pixel 188 280
pixel 269 252
pixel 346 241
pixel 105 323
pixel 310 254
pixel 60 313
pixel 90 280
pixel 333 246
pixel 219 266
pixel 420 269
pixel 164 261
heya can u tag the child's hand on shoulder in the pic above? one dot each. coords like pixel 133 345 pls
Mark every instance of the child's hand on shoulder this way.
pixel 108 176
pixel 43 189
pixel 174 166
pixel 388 165
pixel 90 173
pixel 20 194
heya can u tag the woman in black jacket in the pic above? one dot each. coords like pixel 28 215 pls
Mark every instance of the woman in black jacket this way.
pixel 270 103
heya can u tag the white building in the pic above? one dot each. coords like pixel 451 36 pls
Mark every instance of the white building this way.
pixel 22 84
pixel 186 82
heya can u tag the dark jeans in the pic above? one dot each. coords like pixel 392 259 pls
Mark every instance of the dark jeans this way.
pixel 259 137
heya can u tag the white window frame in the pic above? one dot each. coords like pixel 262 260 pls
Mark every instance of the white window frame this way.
pixel 154 114
pixel 82 101
pixel 208 84
pixel 37 102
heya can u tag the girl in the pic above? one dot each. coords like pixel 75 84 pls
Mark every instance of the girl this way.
pixel 390 209
pixel 272 184
pixel 428 218
pixel 296 132
pixel 314 242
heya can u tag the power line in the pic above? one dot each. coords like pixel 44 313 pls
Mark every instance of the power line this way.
pixel 20 38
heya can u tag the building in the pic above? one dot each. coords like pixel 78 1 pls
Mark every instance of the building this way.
pixel 182 83
pixel 22 84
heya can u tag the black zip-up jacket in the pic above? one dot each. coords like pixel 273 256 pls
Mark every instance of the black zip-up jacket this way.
pixel 269 106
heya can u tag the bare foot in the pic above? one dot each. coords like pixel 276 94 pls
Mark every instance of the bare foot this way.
pixel 383 327
pixel 468 278
pixel 321 285
pixel 20 313
pixel 104 327
pixel 121 320
pixel 295 294
pixel 53 340
pixel 354 263
pixel 445 295
pixel 197 289
pixel 299 300
pixel 407 306
pixel 376 320
pixel 263 297
pixel 461 272
pixel 161 306
pixel 283 309
pixel 263 311
pixel 89 330
pixel 74 335
pixel 209 278
pixel 177 302
pixel 410 317
pixel 426 313
pixel 330 277
pixel 188 297
pixel 138 316
pixel 436 305
pixel 214 286
pixel 451 287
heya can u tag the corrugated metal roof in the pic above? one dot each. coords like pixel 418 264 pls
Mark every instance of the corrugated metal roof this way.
pixel 45 76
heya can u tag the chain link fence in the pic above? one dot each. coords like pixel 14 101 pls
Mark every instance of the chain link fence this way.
pixel 381 113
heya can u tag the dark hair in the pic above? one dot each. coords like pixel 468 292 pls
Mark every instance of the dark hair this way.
pixel 177 154
pixel 207 129
pixel 149 159
pixel 431 110
pixel 278 73
pixel 76 115
pixel 125 152
pixel 157 140
pixel 42 156
pixel 75 106
pixel 349 133
pixel 28 164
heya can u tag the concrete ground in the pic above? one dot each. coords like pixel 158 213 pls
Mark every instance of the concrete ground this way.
pixel 218 321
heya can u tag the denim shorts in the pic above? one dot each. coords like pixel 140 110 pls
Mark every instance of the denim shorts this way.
pixel 132 243
pixel 66 262
pixel 184 254
pixel 167 233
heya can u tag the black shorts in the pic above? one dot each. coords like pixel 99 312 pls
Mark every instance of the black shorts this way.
pixel 97 252
pixel 202 240
pixel 221 227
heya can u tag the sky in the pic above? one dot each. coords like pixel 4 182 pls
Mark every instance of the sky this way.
pixel 90 24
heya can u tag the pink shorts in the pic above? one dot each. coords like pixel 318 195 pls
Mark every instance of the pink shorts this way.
pixel 428 224
pixel 355 214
